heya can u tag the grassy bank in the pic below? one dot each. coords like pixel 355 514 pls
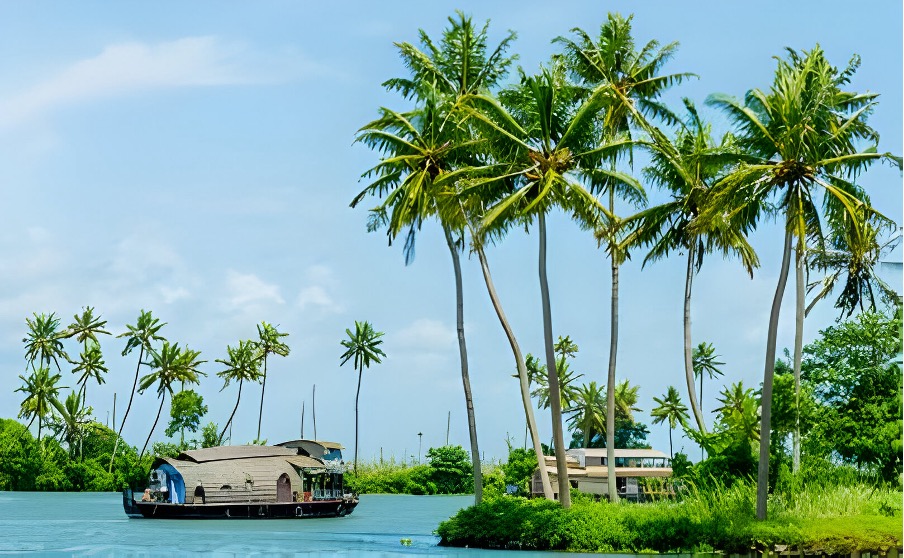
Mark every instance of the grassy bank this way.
pixel 816 518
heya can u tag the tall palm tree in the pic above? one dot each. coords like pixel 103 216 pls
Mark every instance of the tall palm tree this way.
pixel 688 166
pixel 626 400
pixel 170 365
pixel 429 142
pixel 670 409
pixel 803 137
pixel 40 391
pixel 704 362
pixel 633 85
pixel 362 347
pixel 588 412
pixel 89 365
pixel 542 138
pixel 142 335
pixel 43 341
pixel 528 369
pixel 85 328
pixel 268 344
pixel 243 364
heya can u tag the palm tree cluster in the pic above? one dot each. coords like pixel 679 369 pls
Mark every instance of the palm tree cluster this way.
pixel 481 158
pixel 167 365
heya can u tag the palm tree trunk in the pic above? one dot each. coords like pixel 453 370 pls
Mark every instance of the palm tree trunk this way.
pixel 151 433
pixel 229 422
pixel 357 396
pixel 263 389
pixel 671 451
pixel 465 377
pixel 688 345
pixel 128 407
pixel 610 388
pixel 798 353
pixel 555 398
pixel 522 374
pixel 762 482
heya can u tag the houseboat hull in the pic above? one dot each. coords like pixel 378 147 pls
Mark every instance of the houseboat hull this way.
pixel 246 510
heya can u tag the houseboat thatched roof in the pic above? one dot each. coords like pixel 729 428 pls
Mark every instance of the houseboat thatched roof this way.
pixel 223 453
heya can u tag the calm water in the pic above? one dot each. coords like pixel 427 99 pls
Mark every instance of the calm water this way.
pixel 44 524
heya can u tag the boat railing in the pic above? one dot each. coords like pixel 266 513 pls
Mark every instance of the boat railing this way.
pixel 327 493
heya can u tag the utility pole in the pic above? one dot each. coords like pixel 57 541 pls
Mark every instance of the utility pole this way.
pixel 448 422
pixel 302 420
pixel 114 411
pixel 314 409
pixel 420 436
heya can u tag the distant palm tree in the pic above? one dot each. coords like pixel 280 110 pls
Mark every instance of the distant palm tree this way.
pixel 670 409
pixel 43 341
pixel 243 364
pixel 704 362
pixel 72 423
pixel 362 347
pixel 85 328
pixel 588 411
pixel 739 411
pixel 89 365
pixel 625 400
pixel 141 336
pixel 169 366
pixel 40 391
pixel 268 343
pixel 568 387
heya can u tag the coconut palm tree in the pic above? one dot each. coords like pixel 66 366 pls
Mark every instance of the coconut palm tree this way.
pixel 268 344
pixel 543 138
pixel 43 341
pixel 243 364
pixel 422 145
pixel 568 388
pixel 89 365
pixel 528 369
pixel 632 84
pixel 704 362
pixel 588 412
pixel 670 409
pixel 739 411
pixel 73 420
pixel 362 348
pixel 170 365
pixel 687 167
pixel 142 335
pixel 803 136
pixel 85 328
pixel 40 391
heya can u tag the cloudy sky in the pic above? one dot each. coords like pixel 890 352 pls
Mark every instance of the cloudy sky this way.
pixel 197 160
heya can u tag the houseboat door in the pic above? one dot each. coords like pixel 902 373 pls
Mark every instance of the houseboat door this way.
pixel 283 488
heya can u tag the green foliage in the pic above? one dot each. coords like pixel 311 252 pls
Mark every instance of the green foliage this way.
pixel 209 435
pixel 519 468
pixel 450 469
pixel 186 410
pixel 855 374
pixel 390 478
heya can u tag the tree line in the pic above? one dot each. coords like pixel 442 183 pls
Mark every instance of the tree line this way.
pixel 480 158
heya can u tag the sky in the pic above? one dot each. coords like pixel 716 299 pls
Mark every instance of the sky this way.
pixel 198 159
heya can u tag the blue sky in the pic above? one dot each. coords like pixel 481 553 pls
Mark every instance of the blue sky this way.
pixel 197 159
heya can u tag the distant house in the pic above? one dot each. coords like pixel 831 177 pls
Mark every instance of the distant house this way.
pixel 588 471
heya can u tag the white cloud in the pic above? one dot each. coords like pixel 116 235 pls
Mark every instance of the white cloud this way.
pixel 426 335
pixel 316 294
pixel 244 291
pixel 127 68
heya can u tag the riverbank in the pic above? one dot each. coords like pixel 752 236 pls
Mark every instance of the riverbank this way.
pixel 823 519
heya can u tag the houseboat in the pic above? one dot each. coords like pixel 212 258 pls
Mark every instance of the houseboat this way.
pixel 640 474
pixel 295 479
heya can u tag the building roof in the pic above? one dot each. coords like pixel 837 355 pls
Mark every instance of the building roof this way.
pixel 306 443
pixel 629 453
pixel 224 453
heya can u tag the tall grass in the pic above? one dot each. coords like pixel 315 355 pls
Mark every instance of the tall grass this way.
pixel 825 515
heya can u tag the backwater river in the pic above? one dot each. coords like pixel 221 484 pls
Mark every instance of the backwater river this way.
pixel 94 524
